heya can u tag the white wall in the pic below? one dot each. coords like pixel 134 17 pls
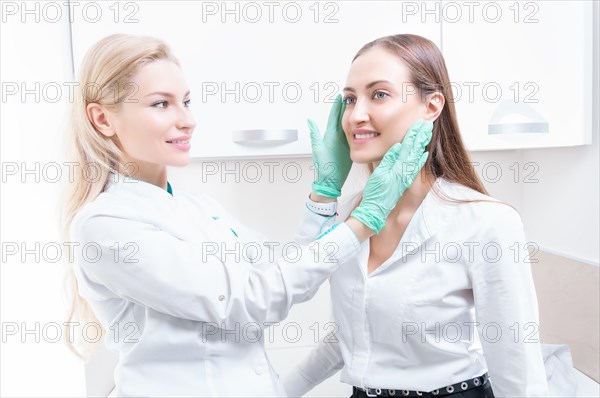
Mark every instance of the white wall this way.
pixel 33 362
pixel 562 209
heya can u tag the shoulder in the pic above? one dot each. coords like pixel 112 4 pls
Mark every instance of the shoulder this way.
pixel 102 215
pixel 103 204
pixel 485 214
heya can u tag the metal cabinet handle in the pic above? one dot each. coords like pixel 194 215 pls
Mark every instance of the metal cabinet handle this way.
pixel 507 128
pixel 265 136
pixel 528 119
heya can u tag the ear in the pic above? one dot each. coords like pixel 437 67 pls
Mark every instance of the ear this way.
pixel 434 103
pixel 99 117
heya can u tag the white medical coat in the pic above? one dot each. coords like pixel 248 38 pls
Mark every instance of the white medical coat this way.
pixel 455 299
pixel 184 322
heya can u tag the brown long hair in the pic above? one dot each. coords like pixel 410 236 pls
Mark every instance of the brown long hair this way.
pixel 448 157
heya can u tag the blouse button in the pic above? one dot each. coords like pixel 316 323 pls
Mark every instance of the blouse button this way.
pixel 221 298
pixel 259 370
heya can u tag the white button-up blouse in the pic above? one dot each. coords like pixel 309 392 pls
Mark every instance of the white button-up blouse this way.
pixel 185 291
pixel 456 299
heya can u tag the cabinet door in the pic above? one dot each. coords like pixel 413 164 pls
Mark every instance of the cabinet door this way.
pixel 521 72
pixel 258 70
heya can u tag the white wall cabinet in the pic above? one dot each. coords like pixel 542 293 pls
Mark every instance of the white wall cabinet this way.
pixel 258 70
pixel 521 72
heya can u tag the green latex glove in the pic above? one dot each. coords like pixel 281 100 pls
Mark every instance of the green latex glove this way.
pixel 396 172
pixel 331 154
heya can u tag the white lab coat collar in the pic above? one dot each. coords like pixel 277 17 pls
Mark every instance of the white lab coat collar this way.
pixel 142 201
pixel 118 182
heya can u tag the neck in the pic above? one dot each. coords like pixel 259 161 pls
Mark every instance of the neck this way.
pixel 412 198
pixel 148 172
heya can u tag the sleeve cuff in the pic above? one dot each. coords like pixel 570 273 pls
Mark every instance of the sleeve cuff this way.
pixel 296 385
pixel 323 209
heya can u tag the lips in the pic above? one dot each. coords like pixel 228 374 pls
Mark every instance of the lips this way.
pixel 183 139
pixel 361 136
pixel 179 142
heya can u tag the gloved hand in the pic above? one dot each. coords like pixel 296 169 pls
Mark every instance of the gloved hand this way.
pixel 331 154
pixel 396 172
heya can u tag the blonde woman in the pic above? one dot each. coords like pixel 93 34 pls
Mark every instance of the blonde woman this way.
pixel 441 302
pixel 187 322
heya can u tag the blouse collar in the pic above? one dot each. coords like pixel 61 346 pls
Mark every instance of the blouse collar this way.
pixel 432 216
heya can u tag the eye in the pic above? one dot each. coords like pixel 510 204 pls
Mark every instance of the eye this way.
pixel 158 103
pixel 348 100
pixel 187 102
pixel 379 95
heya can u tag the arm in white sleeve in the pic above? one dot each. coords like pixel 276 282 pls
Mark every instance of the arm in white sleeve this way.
pixel 146 265
pixel 310 226
pixel 506 308
pixel 322 362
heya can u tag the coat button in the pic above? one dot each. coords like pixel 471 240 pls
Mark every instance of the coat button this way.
pixel 259 370
pixel 221 298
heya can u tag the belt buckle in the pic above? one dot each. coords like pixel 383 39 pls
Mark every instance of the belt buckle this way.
pixel 369 394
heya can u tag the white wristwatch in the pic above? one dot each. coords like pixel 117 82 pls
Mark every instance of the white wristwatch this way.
pixel 322 209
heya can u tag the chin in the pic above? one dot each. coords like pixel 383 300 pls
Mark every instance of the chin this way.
pixel 364 158
pixel 180 162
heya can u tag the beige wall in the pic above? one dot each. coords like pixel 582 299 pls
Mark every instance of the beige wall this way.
pixel 569 302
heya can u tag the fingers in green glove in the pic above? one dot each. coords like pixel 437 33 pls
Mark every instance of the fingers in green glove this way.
pixel 390 157
pixel 335 114
pixel 315 134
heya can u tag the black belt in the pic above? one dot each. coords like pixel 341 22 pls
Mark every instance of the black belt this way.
pixel 451 389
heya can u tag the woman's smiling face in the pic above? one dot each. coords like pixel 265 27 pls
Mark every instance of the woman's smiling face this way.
pixel 154 111
pixel 381 104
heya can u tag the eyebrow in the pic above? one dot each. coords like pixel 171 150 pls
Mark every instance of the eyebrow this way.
pixel 166 94
pixel 368 86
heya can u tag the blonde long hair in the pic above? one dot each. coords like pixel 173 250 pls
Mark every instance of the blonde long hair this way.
pixel 105 77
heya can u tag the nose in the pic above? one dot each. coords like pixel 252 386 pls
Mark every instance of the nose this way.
pixel 359 113
pixel 186 120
